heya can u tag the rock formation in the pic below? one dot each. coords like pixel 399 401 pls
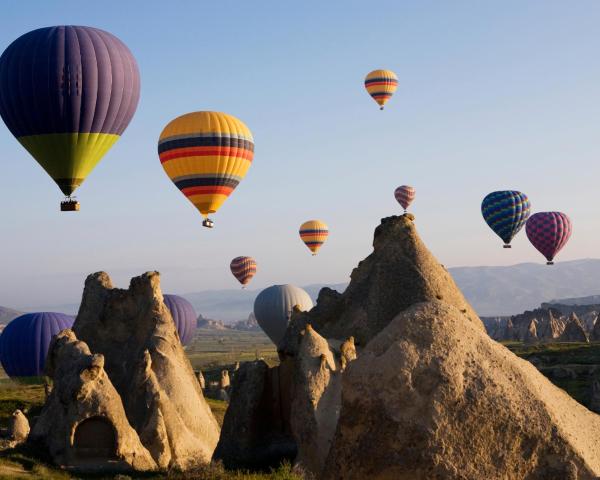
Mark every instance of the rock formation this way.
pixel 595 334
pixel 450 402
pixel 18 427
pixel 531 335
pixel 574 330
pixel 201 380
pixel 224 382
pixel 127 343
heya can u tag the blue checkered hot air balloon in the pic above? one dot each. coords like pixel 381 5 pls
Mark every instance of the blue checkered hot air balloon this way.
pixel 506 212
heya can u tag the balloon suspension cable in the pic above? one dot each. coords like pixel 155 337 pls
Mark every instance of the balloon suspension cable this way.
pixel 506 245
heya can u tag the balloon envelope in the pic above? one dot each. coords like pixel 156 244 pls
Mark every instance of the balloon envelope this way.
pixel 184 316
pixel 549 232
pixel 274 305
pixel 506 212
pixel 67 93
pixel 314 233
pixel 404 195
pixel 206 155
pixel 381 85
pixel 243 268
pixel 25 341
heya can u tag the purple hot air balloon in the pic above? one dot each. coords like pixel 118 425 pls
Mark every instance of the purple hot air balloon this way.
pixel 404 195
pixel 549 232
pixel 25 340
pixel 67 93
pixel 183 315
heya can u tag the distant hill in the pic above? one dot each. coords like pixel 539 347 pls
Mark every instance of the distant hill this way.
pixel 589 300
pixel 511 290
pixel 7 314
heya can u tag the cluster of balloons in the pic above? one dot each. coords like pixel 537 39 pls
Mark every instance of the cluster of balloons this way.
pixel 507 211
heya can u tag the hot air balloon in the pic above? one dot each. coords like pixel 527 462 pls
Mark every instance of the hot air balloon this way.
pixel 67 93
pixel 206 155
pixel 273 308
pixel 243 268
pixel 25 341
pixel 183 315
pixel 506 212
pixel 381 85
pixel 549 232
pixel 314 233
pixel 404 195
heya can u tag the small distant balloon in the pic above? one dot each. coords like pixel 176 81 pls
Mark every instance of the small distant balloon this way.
pixel 273 308
pixel 381 85
pixel 243 268
pixel 206 155
pixel 184 316
pixel 549 232
pixel 405 194
pixel 314 233
pixel 25 341
pixel 506 212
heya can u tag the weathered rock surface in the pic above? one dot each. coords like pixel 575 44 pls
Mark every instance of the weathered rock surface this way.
pixel 127 342
pixel 453 404
pixel 18 427
pixel 574 330
pixel 83 421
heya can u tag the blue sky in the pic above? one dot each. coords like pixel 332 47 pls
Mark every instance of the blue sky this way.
pixel 492 95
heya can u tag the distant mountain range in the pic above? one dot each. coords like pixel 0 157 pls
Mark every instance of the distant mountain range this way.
pixel 493 291
pixel 7 314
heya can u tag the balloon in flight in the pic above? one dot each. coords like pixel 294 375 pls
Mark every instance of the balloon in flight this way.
pixel 273 308
pixel 184 316
pixel 314 233
pixel 206 155
pixel 506 212
pixel 25 341
pixel 243 269
pixel 67 93
pixel 381 85
pixel 549 232
pixel 404 195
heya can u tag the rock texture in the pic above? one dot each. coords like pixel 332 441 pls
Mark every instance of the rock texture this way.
pixel 425 393
pixel 18 427
pixel 453 404
pixel 128 342
pixel 83 391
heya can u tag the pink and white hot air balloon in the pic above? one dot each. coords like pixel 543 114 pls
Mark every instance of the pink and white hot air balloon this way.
pixel 549 232
pixel 404 195
pixel 243 268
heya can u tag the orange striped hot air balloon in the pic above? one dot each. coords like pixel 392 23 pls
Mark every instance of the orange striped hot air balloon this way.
pixel 314 233
pixel 243 268
pixel 206 155
pixel 381 85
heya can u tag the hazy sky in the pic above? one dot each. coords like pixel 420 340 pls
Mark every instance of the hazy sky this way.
pixel 492 95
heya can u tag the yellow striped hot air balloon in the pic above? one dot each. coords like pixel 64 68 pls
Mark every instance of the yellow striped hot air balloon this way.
pixel 381 85
pixel 314 233
pixel 206 155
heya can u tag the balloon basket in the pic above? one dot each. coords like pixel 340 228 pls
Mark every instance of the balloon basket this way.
pixel 208 223
pixel 550 262
pixel 69 205
pixel 507 246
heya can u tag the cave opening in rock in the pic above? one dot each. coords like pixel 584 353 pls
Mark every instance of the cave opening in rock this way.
pixel 95 438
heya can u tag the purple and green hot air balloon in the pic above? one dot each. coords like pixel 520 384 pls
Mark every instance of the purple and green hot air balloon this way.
pixel 183 315
pixel 67 93
pixel 25 341
pixel 506 212
pixel 549 232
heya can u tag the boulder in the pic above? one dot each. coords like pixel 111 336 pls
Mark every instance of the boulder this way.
pixel 18 428
pixel 454 404
pixel 83 422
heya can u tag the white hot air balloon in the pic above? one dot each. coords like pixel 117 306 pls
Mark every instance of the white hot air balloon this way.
pixel 273 308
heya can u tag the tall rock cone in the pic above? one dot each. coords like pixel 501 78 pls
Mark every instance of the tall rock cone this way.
pixel 399 273
pixel 574 330
pixel 146 363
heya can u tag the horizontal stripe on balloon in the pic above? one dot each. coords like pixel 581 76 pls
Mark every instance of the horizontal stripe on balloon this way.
pixel 208 190
pixel 202 141
pixel 206 181
pixel 380 81
pixel 205 152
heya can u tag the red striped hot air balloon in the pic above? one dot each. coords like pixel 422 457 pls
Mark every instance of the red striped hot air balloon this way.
pixel 243 268
pixel 314 233
pixel 381 85
pixel 404 195
pixel 549 232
